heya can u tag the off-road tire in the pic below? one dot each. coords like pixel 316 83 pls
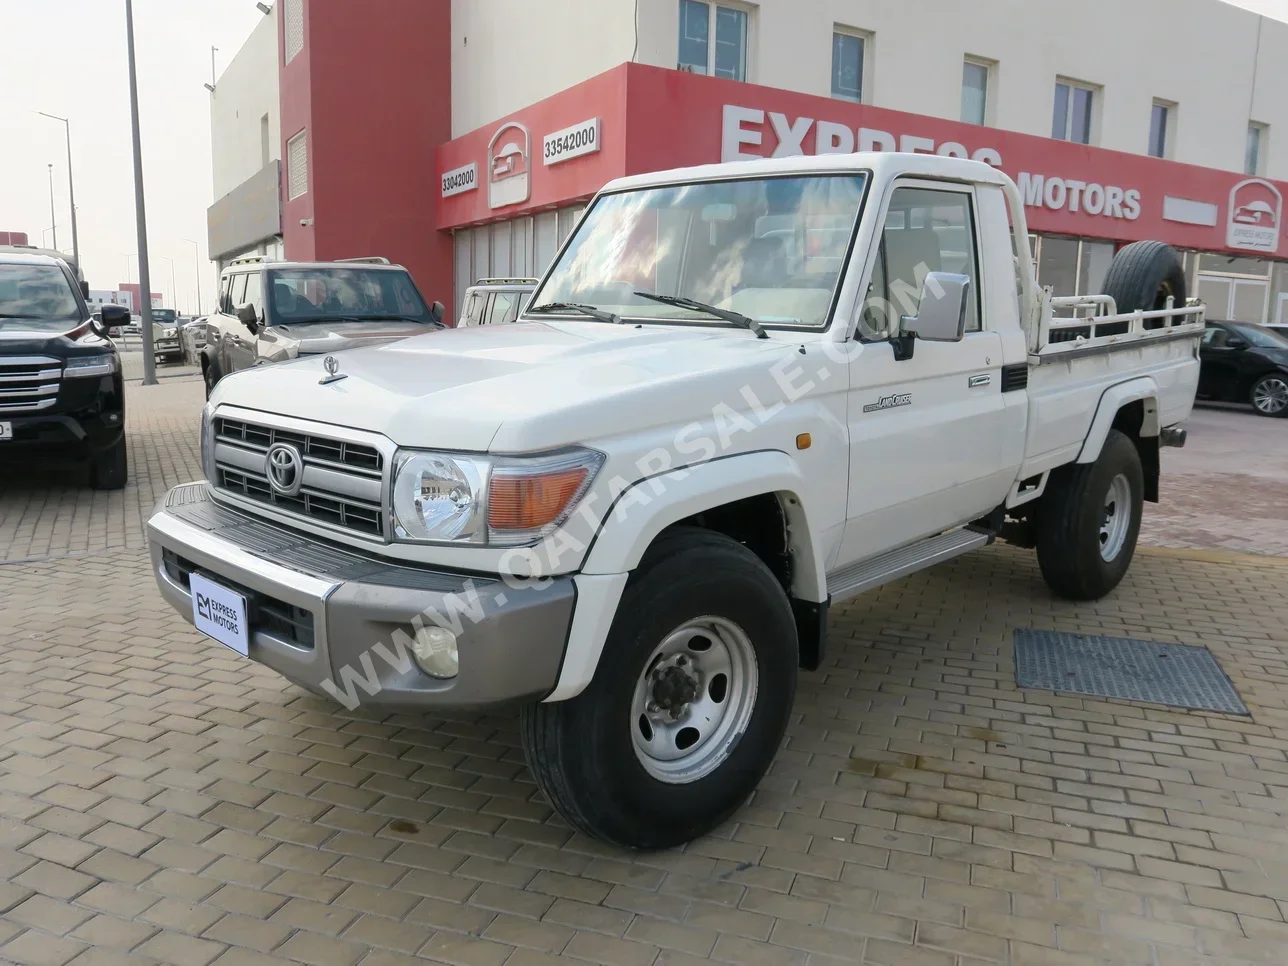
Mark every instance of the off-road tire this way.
pixel 1142 276
pixel 110 469
pixel 581 751
pixel 210 377
pixel 1070 518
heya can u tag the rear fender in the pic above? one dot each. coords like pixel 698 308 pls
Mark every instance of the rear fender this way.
pixel 1143 390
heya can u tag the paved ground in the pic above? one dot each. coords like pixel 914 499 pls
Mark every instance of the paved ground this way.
pixel 162 800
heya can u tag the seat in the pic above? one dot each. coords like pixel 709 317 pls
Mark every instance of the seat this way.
pixel 283 299
pixel 764 263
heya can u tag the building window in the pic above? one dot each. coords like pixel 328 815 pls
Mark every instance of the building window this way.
pixel 1254 154
pixel 975 91
pixel 294 14
pixel 1073 112
pixel 847 65
pixel 297 166
pixel 699 23
pixel 1162 117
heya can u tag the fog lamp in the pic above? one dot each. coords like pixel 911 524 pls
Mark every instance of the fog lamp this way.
pixel 435 651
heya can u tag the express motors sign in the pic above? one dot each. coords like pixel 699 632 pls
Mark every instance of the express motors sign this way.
pixel 743 127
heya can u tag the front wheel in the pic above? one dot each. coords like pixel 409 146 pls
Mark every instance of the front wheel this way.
pixel 688 704
pixel 1089 520
pixel 1270 395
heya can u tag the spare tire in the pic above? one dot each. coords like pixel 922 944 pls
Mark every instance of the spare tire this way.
pixel 1142 276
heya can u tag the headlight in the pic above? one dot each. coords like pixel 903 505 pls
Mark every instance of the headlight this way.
pixel 499 501
pixel 208 443
pixel 104 364
pixel 439 497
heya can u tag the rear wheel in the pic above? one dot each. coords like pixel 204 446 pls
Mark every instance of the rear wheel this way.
pixel 1269 395
pixel 1089 520
pixel 110 469
pixel 688 704
pixel 209 376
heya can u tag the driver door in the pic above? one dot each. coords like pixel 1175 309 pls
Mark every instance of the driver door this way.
pixel 239 341
pixel 1218 363
pixel 926 433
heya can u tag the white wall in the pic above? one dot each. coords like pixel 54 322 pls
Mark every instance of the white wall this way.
pixel 507 54
pixel 244 93
pixel 1197 53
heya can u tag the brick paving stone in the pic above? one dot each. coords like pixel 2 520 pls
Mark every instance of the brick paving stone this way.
pixel 164 801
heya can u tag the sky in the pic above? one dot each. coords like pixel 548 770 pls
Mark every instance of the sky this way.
pixel 68 57
pixel 172 47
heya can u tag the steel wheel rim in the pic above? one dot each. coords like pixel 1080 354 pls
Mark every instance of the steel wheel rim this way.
pixel 1115 518
pixel 710 661
pixel 1271 395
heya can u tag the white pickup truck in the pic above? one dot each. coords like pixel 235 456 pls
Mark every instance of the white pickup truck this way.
pixel 741 393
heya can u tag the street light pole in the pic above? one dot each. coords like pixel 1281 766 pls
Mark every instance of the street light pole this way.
pixel 53 219
pixel 174 295
pixel 71 189
pixel 129 275
pixel 196 257
pixel 145 281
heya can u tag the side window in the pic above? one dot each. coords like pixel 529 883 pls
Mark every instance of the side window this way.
pixel 1216 337
pixel 927 230
pixel 505 306
pixel 255 292
pixel 237 295
pixel 472 311
pixel 224 299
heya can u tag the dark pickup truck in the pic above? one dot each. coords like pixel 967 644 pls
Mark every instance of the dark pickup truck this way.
pixel 61 391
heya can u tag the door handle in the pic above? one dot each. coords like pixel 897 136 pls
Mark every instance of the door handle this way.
pixel 975 382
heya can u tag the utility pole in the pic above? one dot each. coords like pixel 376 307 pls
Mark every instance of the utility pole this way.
pixel 53 219
pixel 212 65
pixel 145 281
pixel 174 293
pixel 196 257
pixel 71 188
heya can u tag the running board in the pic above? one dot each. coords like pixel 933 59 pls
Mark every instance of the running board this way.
pixel 893 564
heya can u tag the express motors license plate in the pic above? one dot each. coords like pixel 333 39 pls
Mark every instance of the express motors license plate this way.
pixel 6 430
pixel 220 613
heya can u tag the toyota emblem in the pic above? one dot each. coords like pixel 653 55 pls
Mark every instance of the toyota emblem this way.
pixel 331 364
pixel 284 468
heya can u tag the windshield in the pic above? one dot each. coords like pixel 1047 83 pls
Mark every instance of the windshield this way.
pixel 768 248
pixel 39 295
pixel 1261 338
pixel 298 295
pixel 165 316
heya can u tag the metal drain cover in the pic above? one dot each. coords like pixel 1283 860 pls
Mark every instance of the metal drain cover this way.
pixel 1118 667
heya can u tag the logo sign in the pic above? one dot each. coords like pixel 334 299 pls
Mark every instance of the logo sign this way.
pixel 333 374
pixel 460 180
pixel 889 402
pixel 284 468
pixel 508 181
pixel 1255 216
pixel 571 142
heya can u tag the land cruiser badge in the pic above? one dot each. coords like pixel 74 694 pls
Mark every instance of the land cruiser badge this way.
pixel 333 374
pixel 889 402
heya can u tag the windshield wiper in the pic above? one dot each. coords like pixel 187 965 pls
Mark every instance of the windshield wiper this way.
pixel 397 318
pixel 589 310
pixel 737 318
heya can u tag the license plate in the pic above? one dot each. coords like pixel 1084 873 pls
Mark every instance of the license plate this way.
pixel 6 430
pixel 220 613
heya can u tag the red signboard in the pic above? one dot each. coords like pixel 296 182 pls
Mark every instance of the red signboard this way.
pixel 650 119
pixel 13 238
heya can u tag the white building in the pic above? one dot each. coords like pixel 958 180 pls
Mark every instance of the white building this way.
pixel 1122 119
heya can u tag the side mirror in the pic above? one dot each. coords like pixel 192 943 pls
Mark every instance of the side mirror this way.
pixel 248 316
pixel 114 315
pixel 437 311
pixel 1234 342
pixel 941 314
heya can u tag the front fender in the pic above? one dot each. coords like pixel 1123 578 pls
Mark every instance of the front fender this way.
pixel 1143 389
pixel 649 506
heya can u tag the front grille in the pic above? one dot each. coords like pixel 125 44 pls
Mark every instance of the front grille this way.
pixel 29 383
pixel 263 613
pixel 343 480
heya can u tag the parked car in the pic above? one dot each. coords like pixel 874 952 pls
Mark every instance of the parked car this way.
pixel 493 300
pixel 1246 363
pixel 629 512
pixel 165 336
pixel 275 311
pixel 61 389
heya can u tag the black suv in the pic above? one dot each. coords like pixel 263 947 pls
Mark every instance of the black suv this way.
pixel 61 390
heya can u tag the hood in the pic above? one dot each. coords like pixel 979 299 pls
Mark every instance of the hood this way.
pixel 520 387
pixel 76 339
pixel 338 336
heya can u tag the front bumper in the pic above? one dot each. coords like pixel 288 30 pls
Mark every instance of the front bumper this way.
pixel 325 617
